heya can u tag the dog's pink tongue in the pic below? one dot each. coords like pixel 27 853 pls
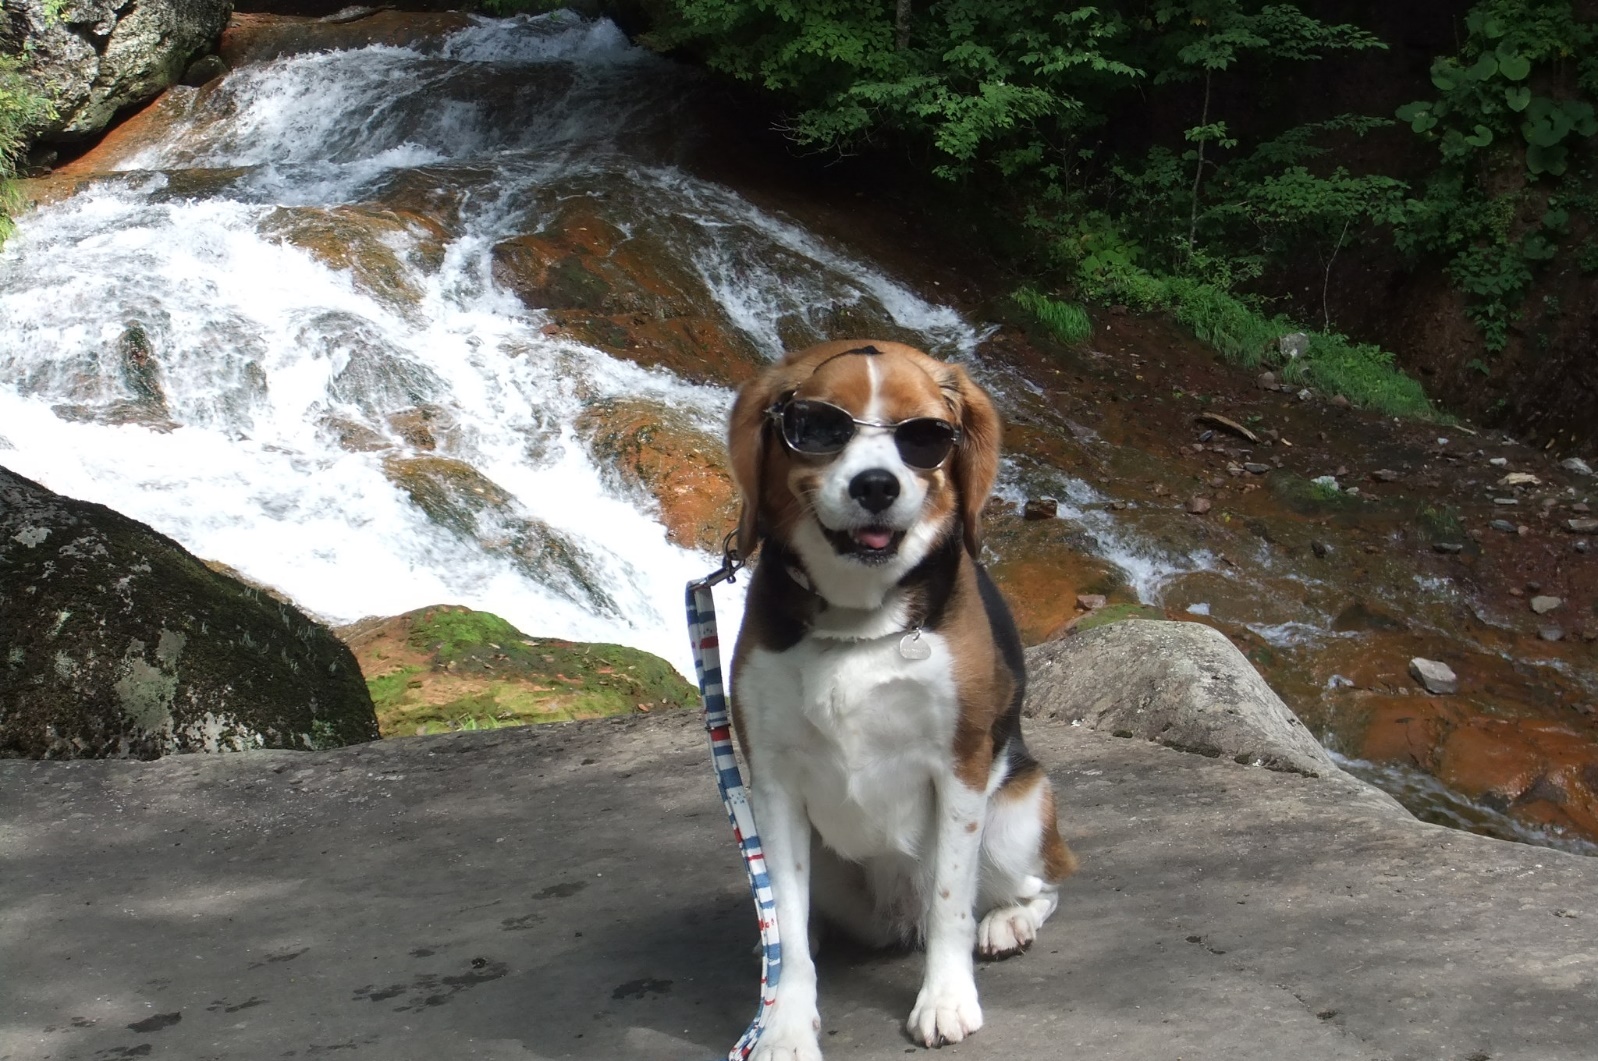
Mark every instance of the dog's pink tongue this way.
pixel 874 539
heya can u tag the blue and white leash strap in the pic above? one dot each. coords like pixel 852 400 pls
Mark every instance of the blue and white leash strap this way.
pixel 707 662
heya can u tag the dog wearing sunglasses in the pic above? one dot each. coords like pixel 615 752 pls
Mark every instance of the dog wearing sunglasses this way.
pixel 878 678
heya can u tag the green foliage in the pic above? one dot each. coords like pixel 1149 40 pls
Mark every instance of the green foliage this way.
pixel 1000 82
pixel 1513 115
pixel 21 108
pixel 1066 321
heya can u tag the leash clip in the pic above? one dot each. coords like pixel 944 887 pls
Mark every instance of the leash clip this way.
pixel 731 564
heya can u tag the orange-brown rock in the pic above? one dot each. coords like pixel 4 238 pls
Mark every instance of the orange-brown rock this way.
pixel 256 38
pixel 363 240
pixel 1542 770
pixel 652 447
pixel 630 296
pixel 1041 570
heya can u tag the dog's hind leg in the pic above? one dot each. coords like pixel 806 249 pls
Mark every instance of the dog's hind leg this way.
pixel 1023 861
pixel 848 896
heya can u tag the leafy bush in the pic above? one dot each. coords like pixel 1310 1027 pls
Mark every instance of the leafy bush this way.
pixel 21 109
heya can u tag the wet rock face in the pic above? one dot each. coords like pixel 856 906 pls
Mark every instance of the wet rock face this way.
pixel 116 642
pixel 94 57
pixel 654 448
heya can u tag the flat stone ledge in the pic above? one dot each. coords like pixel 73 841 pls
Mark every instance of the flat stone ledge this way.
pixel 571 891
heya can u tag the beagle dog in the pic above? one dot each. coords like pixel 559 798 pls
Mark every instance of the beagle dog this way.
pixel 878 678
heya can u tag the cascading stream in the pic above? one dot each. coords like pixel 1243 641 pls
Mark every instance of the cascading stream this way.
pixel 236 338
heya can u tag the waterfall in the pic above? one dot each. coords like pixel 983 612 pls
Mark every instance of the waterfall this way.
pixel 195 339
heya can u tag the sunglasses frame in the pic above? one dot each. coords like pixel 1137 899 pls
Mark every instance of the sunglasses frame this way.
pixel 774 413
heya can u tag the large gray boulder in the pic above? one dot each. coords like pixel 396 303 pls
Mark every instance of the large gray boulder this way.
pixel 94 57
pixel 117 642
pixel 1182 684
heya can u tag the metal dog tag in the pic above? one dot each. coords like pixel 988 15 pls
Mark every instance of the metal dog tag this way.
pixel 912 647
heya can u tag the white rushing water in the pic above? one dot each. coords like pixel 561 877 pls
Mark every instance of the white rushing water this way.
pixel 254 346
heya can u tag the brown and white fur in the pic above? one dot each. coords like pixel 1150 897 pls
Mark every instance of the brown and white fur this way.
pixel 894 796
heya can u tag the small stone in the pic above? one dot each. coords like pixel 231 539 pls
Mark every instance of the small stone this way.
pixel 1520 479
pixel 1542 605
pixel 1206 436
pixel 1583 526
pixel 1502 525
pixel 1267 381
pixel 1342 470
pixel 1118 506
pixel 1506 500
pixel 203 70
pixel 1582 546
pixel 1499 462
pixel 1442 442
pixel 1340 401
pixel 1352 491
pixel 1517 592
pixel 1447 547
pixel 1534 587
pixel 1475 534
pixel 1581 508
pixel 1551 633
pixel 1040 508
pixel 1293 346
pixel 1326 482
pixel 1160 489
pixel 1386 475
pixel 1320 549
pixel 1217 482
pixel 1198 505
pixel 1256 469
pixel 1577 465
pixel 1305 395
pixel 1437 678
pixel 1091 602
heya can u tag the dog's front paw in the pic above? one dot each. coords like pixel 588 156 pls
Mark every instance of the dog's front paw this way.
pixel 789 1040
pixel 946 1013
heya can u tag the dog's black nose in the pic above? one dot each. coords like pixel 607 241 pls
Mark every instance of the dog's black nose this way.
pixel 874 489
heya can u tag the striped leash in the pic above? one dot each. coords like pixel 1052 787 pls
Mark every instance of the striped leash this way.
pixel 707 663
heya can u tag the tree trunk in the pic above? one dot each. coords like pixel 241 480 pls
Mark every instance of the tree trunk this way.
pixel 901 24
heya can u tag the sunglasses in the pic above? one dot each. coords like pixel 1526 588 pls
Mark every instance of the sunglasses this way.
pixel 821 429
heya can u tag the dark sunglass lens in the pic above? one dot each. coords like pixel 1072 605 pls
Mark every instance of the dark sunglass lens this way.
pixel 924 443
pixel 816 427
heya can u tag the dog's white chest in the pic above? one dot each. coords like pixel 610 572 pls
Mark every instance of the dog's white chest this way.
pixel 860 732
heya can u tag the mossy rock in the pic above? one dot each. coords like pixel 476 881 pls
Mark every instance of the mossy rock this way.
pixel 117 642
pixel 1114 613
pixel 451 668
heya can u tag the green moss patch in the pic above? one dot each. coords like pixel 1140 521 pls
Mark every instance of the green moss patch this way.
pixel 449 668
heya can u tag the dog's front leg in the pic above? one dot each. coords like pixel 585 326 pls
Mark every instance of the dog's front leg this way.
pixel 947 1010
pixel 793 1024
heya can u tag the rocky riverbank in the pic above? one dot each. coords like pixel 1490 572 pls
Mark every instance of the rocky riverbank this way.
pixel 571 891
pixel 1331 546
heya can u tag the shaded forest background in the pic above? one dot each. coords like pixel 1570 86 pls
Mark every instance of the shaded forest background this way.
pixel 1411 187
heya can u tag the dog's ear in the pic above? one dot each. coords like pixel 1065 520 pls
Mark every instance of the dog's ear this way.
pixel 748 434
pixel 976 459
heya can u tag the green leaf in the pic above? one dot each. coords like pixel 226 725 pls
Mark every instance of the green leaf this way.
pixel 1550 160
pixel 1410 111
pixel 1446 75
pixel 1517 96
pixel 1481 137
pixel 1514 67
pixel 1485 67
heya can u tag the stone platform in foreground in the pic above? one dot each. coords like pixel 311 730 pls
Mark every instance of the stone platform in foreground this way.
pixel 571 891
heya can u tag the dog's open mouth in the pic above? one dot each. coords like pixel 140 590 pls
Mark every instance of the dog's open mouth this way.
pixel 868 544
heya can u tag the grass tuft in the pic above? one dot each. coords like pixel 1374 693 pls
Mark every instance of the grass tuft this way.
pixel 1066 321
